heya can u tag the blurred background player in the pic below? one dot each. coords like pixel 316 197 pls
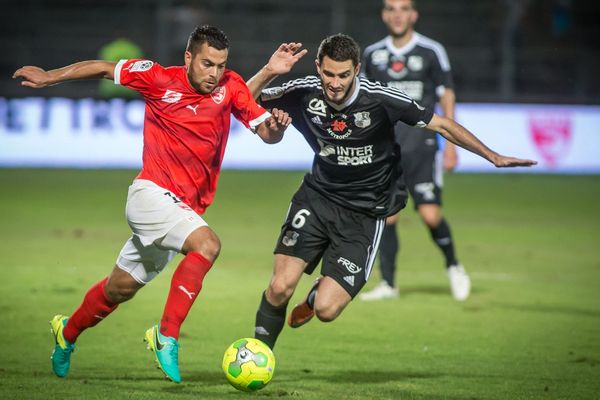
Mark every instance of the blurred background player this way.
pixel 186 126
pixel 418 66
pixel 122 48
pixel 338 213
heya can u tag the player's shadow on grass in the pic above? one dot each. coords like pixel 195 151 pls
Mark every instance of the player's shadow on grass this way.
pixel 431 290
pixel 372 376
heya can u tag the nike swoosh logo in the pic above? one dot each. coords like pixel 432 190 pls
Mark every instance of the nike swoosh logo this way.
pixel 157 344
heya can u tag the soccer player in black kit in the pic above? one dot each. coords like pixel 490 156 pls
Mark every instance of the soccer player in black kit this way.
pixel 338 213
pixel 418 66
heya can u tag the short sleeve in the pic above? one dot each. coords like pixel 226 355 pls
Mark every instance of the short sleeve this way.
pixel 245 108
pixel 441 73
pixel 287 96
pixel 401 107
pixel 137 74
pixel 365 66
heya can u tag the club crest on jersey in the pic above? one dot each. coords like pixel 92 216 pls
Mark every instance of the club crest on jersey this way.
pixel 218 94
pixel 317 107
pixel 415 63
pixel 338 127
pixel 380 58
pixel 171 96
pixel 397 67
pixel 362 119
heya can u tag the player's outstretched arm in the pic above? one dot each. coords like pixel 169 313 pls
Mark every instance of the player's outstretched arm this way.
pixel 271 130
pixel 450 155
pixel 281 62
pixel 36 77
pixel 461 136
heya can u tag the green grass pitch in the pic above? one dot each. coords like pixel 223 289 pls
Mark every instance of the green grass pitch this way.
pixel 531 329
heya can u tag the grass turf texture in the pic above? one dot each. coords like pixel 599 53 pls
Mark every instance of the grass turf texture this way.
pixel 529 331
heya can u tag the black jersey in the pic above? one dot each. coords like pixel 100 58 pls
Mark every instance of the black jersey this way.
pixel 356 159
pixel 420 69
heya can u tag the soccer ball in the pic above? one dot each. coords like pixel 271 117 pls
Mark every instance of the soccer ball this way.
pixel 248 364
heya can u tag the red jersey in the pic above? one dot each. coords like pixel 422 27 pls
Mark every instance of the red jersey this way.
pixel 185 132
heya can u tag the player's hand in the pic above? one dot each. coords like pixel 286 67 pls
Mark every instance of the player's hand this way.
pixel 450 157
pixel 284 58
pixel 33 77
pixel 271 130
pixel 279 121
pixel 505 162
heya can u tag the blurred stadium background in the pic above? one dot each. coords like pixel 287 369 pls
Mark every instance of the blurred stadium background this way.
pixel 527 81
pixel 525 72
pixel 532 51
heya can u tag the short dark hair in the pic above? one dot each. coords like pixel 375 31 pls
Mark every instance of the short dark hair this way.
pixel 339 47
pixel 207 34
pixel 413 4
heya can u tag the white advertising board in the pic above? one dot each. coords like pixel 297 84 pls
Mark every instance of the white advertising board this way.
pixel 88 133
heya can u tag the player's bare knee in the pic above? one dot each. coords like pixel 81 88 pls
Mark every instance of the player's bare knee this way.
pixel 280 290
pixel 327 314
pixel 209 247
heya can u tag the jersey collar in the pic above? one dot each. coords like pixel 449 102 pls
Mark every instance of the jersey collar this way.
pixel 398 51
pixel 349 100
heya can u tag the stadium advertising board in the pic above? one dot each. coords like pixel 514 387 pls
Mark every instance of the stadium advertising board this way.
pixel 88 133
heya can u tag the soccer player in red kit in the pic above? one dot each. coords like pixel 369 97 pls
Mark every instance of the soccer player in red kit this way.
pixel 186 126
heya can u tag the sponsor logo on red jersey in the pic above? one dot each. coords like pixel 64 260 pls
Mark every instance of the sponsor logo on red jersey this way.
pixel 171 96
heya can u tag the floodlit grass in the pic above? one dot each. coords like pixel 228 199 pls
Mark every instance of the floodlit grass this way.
pixel 530 330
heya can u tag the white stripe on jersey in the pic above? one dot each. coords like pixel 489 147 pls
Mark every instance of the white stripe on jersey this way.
pixel 416 40
pixel 372 252
pixel 437 48
pixel 118 71
pixel 257 121
pixel 376 87
pixel 278 91
pixel 375 46
pixel 309 81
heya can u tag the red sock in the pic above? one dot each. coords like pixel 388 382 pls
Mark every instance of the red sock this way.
pixel 185 287
pixel 94 308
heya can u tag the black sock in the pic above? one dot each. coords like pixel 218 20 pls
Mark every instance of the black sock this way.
pixel 442 236
pixel 388 250
pixel 269 321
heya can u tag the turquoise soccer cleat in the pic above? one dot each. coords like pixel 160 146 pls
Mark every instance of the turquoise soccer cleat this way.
pixel 61 356
pixel 166 352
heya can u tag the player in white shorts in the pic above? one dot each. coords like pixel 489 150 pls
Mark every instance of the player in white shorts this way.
pixel 160 223
pixel 186 127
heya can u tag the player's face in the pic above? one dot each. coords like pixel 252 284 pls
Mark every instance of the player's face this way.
pixel 337 78
pixel 205 67
pixel 399 16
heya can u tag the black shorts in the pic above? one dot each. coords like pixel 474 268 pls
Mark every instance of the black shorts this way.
pixel 316 228
pixel 421 165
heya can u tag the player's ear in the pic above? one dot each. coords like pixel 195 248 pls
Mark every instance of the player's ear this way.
pixel 357 69
pixel 414 17
pixel 318 65
pixel 187 58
